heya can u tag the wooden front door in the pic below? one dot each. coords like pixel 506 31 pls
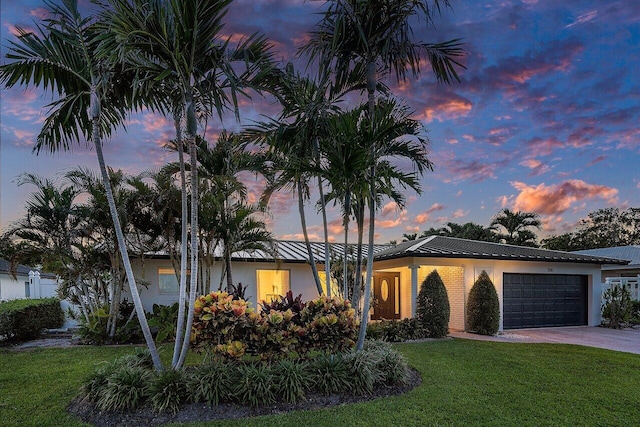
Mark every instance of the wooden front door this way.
pixel 386 291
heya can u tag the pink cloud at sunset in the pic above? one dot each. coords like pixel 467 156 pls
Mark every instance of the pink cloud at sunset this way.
pixel 558 198
pixel 425 216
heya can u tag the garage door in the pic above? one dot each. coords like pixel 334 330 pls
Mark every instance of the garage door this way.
pixel 543 300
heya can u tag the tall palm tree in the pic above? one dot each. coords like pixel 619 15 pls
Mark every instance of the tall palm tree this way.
pixel 63 57
pixel 179 44
pixel 398 138
pixel 294 140
pixel 372 38
pixel 517 226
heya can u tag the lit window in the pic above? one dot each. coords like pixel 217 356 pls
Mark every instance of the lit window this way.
pixel 272 284
pixel 167 281
pixel 335 288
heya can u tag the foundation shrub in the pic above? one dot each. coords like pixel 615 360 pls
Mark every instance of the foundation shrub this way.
pixel 616 307
pixel 483 307
pixel 432 307
pixel 395 330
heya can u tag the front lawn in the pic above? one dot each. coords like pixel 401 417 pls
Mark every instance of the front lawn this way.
pixel 464 382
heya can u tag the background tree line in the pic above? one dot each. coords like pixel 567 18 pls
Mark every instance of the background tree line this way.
pixel 602 228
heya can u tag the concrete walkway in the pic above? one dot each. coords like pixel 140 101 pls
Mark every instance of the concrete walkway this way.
pixel 626 340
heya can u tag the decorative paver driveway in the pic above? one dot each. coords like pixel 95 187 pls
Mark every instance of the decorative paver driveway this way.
pixel 627 340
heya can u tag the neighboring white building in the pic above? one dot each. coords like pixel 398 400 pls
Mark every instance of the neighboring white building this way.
pixel 27 283
pixel 537 287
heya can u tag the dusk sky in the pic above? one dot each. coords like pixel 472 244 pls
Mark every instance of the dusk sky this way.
pixel 546 117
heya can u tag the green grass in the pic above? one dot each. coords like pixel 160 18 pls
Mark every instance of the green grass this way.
pixel 464 383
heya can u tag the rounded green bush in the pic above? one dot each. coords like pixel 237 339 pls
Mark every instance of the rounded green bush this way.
pixel 483 307
pixel 433 310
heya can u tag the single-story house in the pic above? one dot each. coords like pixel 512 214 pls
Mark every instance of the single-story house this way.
pixel 536 287
pixel 629 253
pixel 28 282
pixel 627 274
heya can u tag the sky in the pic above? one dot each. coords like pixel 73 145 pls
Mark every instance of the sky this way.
pixel 546 118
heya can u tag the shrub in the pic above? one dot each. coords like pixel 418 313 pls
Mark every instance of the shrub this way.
pixel 284 303
pixel 395 330
pixel 255 385
pixel 635 312
pixel 363 367
pixel 391 365
pixel 432 306
pixel 93 388
pixel 125 388
pixel 289 376
pixel 330 325
pixel 231 328
pixel 616 307
pixel 329 374
pixel 24 319
pixel 212 383
pixel 222 323
pixel 96 331
pixel 167 390
pixel 164 319
pixel 483 307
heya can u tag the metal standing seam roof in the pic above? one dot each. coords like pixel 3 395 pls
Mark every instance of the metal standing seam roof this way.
pixel 428 247
pixel 630 253
pixel 295 251
pixel 451 247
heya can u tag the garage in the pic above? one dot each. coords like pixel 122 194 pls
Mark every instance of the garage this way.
pixel 544 300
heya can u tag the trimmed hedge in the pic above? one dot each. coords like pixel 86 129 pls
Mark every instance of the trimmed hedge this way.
pixel 433 310
pixel 483 307
pixel 24 319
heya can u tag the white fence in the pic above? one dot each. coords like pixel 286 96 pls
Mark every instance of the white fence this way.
pixel 630 283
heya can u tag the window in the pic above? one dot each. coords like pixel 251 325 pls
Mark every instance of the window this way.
pixel 167 281
pixel 27 290
pixel 335 287
pixel 272 284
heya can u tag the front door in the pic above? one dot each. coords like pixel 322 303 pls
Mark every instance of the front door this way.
pixel 386 291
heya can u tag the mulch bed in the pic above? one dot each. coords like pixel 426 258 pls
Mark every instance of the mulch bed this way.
pixel 88 413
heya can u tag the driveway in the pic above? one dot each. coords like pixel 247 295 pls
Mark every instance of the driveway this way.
pixel 627 340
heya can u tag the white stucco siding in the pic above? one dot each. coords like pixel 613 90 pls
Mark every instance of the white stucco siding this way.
pixel 301 280
pixel 12 289
pixel 459 275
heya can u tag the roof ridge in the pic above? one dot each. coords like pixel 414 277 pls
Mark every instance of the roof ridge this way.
pixel 419 244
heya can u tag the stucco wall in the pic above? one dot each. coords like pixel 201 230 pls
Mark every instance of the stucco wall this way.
pixel 301 281
pixel 459 276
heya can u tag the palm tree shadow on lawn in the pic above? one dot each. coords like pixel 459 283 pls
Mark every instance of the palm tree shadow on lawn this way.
pixel 89 413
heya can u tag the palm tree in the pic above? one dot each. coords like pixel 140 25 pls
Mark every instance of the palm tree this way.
pixel 178 44
pixel 372 37
pixel 63 58
pixel 398 138
pixel 517 225
pixel 293 141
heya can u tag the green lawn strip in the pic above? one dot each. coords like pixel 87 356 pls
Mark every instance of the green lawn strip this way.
pixel 465 382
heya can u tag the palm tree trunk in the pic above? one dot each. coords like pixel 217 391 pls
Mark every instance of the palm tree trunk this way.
pixel 135 295
pixel 227 261
pixel 358 281
pixel 194 237
pixel 345 265
pixel 303 221
pixel 180 326
pixel 327 255
pixel 371 87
